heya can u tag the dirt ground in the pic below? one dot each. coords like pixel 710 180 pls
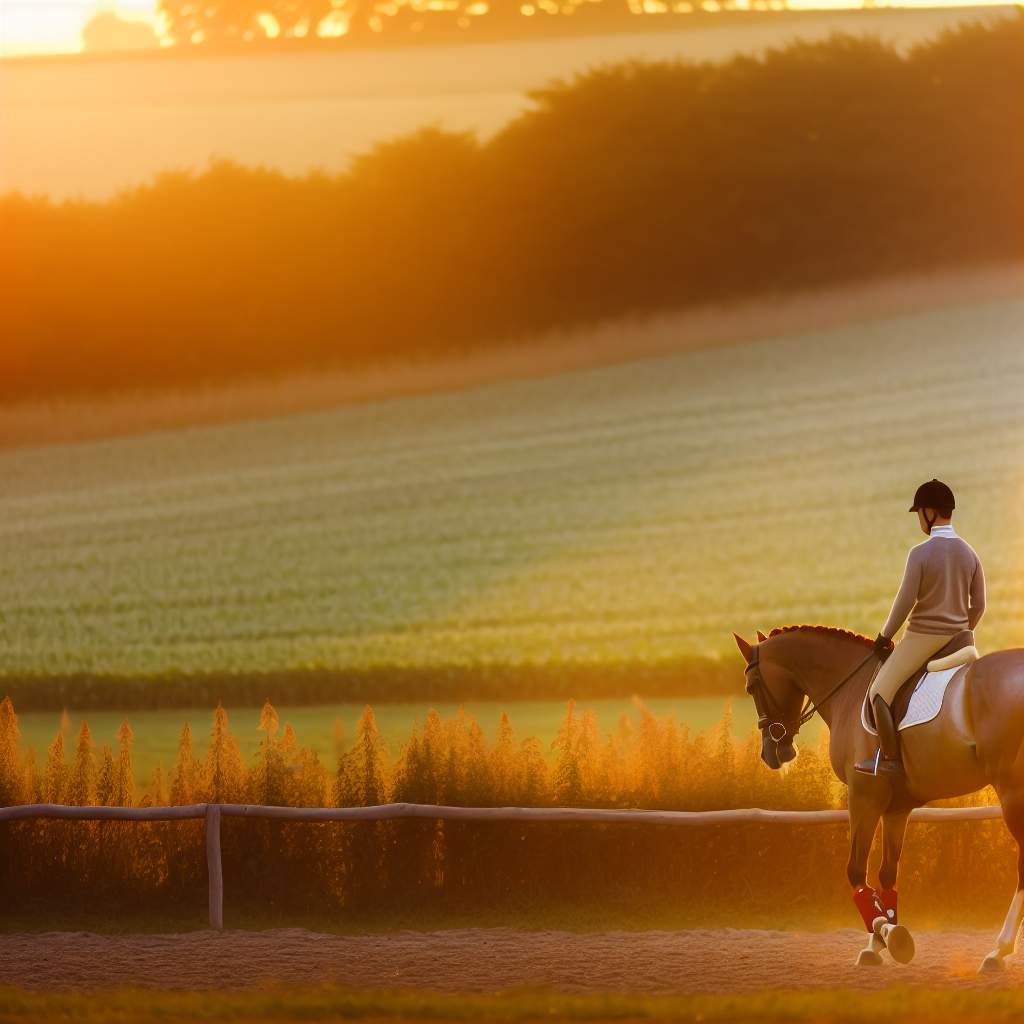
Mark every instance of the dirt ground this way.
pixel 487 959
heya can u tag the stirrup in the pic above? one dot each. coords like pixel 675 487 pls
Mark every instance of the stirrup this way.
pixel 879 765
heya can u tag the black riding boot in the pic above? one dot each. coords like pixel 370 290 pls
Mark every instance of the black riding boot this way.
pixel 887 761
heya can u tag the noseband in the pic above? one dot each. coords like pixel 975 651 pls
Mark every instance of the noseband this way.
pixel 771 719
pixel 755 686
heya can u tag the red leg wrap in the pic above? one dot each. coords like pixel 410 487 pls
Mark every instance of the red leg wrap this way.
pixel 867 902
pixel 887 897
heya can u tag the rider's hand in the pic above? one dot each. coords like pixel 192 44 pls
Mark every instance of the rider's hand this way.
pixel 883 646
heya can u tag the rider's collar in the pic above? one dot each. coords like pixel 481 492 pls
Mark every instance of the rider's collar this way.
pixel 945 530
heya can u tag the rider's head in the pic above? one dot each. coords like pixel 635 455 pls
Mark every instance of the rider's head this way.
pixel 934 504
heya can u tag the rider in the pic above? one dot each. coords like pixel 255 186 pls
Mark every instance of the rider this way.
pixel 943 591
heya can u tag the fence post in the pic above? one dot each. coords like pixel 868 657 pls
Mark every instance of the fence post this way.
pixel 214 867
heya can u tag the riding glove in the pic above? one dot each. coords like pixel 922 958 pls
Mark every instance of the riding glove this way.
pixel 883 646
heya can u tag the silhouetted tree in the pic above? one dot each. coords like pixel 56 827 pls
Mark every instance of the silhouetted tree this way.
pixel 105 32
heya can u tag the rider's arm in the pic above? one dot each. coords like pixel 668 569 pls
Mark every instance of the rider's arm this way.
pixel 906 597
pixel 977 608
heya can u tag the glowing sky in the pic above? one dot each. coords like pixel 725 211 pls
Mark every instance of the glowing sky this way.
pixel 54 26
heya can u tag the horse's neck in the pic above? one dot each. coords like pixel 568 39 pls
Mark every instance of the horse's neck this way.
pixel 824 668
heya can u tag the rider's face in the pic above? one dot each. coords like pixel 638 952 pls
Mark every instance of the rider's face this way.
pixel 925 528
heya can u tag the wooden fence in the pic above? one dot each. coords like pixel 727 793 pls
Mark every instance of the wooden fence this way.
pixel 388 812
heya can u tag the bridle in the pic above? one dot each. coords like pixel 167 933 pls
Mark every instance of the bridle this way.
pixel 772 720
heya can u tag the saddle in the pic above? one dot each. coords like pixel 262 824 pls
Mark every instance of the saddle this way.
pixel 960 650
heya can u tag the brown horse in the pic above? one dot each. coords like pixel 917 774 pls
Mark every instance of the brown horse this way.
pixel 976 740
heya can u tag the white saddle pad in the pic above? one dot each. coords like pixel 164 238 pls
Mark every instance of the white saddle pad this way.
pixel 925 702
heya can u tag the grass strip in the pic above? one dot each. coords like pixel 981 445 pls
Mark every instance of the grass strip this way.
pixel 519 1004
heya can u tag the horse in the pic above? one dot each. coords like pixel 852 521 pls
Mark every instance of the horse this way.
pixel 976 740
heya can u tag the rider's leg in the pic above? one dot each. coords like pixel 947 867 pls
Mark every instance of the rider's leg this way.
pixel 908 655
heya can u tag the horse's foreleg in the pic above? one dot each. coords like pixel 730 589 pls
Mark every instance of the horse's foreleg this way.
pixel 863 823
pixel 1006 941
pixel 898 940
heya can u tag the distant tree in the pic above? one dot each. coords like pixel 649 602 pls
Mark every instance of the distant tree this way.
pixel 236 22
pixel 299 17
pixel 219 21
pixel 105 32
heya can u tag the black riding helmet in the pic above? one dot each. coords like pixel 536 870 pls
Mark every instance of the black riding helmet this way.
pixel 934 494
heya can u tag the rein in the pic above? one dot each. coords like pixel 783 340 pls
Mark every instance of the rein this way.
pixel 762 697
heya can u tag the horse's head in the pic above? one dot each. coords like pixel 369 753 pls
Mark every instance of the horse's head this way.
pixel 778 702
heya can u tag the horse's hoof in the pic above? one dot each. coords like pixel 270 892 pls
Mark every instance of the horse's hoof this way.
pixel 993 962
pixel 900 944
pixel 868 958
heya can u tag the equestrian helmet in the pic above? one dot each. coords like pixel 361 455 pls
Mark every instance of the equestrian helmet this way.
pixel 934 494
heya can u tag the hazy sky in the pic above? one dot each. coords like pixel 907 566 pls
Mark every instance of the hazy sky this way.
pixel 34 26
pixel 53 26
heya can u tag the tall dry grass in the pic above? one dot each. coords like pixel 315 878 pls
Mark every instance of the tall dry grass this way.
pixel 363 871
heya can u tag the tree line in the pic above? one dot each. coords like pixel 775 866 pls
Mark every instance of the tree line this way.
pixel 245 23
pixel 280 872
pixel 631 189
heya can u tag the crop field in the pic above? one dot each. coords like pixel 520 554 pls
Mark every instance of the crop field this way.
pixel 632 515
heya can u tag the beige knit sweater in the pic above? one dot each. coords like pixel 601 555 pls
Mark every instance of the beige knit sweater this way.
pixel 944 585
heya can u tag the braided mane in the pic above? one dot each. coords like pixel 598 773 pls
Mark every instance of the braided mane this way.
pixel 834 630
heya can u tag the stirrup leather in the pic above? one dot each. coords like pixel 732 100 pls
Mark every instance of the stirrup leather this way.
pixel 887 759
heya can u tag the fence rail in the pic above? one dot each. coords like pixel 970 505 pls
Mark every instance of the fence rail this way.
pixel 213 813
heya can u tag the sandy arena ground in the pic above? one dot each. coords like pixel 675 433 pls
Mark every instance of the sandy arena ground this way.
pixel 483 959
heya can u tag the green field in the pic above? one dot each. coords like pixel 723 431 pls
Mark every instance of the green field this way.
pixel 629 515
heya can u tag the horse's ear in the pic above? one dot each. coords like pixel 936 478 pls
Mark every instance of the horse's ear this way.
pixel 745 649
pixel 761 637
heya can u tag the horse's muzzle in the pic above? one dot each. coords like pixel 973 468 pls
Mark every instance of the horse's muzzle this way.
pixel 775 755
